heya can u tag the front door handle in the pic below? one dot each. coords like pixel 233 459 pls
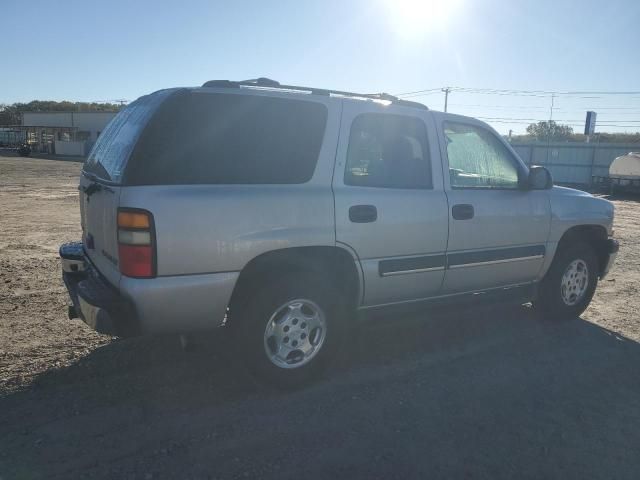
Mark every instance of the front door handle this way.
pixel 363 213
pixel 463 211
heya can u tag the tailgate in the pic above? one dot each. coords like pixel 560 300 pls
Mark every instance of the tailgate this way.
pixel 99 211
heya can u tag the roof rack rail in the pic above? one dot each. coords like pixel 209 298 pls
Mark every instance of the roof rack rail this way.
pixel 264 82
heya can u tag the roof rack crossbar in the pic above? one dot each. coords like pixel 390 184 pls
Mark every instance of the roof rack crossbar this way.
pixel 264 82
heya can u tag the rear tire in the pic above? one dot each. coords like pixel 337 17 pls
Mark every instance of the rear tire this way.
pixel 291 330
pixel 569 285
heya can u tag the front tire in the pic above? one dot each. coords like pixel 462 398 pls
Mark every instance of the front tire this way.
pixel 291 330
pixel 569 285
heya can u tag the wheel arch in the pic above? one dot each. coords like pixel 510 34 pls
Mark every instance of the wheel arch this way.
pixel 335 262
pixel 594 235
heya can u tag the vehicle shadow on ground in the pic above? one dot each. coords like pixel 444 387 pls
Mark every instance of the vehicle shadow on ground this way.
pixel 156 368
pixel 490 364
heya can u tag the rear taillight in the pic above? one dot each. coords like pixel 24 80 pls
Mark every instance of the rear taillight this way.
pixel 136 243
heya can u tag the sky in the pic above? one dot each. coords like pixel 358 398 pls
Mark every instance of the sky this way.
pixel 106 50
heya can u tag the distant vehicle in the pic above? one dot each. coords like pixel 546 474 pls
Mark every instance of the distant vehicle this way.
pixel 624 174
pixel 280 211
pixel 24 150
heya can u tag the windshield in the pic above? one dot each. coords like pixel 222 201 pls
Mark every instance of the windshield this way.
pixel 110 153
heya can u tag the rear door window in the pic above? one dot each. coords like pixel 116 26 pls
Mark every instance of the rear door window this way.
pixel 206 138
pixel 388 151
pixel 108 158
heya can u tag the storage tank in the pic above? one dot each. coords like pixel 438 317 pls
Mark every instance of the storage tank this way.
pixel 627 166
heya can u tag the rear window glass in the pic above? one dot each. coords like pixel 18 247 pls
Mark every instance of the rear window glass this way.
pixel 109 155
pixel 204 138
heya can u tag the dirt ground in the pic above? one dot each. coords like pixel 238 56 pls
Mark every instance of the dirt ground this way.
pixel 494 393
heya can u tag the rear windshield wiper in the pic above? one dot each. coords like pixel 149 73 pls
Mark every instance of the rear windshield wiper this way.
pixel 92 188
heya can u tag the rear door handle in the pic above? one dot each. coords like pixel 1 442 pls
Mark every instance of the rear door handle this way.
pixel 363 213
pixel 463 211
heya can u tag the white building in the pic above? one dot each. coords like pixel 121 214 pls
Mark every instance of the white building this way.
pixel 65 133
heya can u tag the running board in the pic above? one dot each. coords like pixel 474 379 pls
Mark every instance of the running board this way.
pixel 516 295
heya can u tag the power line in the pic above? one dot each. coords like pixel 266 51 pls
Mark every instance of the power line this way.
pixel 420 94
pixel 434 90
pixel 568 102
pixel 520 93
pixel 636 110
pixel 492 91
pixel 568 95
pixel 600 93
pixel 517 107
pixel 636 113
pixel 557 120
pixel 580 124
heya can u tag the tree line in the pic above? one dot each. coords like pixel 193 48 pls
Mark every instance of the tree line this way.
pixel 12 114
pixel 557 132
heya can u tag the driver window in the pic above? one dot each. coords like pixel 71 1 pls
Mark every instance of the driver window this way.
pixel 477 159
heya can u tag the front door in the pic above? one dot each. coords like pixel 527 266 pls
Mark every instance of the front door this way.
pixel 390 204
pixel 497 230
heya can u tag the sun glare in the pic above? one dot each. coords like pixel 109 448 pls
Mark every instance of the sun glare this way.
pixel 411 18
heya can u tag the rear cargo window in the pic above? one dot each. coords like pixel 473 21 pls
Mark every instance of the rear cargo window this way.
pixel 109 155
pixel 204 138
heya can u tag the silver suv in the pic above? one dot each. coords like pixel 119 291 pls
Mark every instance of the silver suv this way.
pixel 280 211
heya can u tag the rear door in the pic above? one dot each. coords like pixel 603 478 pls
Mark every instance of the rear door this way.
pixel 390 206
pixel 100 182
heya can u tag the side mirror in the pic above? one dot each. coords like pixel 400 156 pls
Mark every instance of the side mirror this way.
pixel 539 178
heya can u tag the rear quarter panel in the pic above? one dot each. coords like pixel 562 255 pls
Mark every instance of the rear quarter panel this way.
pixel 220 228
pixel 210 228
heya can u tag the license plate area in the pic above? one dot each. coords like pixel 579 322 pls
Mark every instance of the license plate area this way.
pixel 70 265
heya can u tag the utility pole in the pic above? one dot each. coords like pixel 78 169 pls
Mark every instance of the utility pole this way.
pixel 446 91
pixel 553 97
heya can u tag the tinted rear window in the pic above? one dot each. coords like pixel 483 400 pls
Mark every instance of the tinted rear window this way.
pixel 204 138
pixel 110 153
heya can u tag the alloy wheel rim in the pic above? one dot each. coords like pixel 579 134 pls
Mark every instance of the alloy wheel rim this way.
pixel 575 282
pixel 295 333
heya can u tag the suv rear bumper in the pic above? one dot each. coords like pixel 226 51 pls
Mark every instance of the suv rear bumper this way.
pixel 165 304
pixel 94 300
